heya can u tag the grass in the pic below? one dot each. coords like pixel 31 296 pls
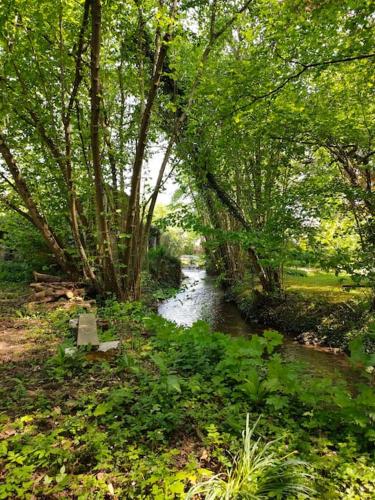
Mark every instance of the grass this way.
pixel 11 294
pixel 257 472
pixel 10 290
pixel 315 282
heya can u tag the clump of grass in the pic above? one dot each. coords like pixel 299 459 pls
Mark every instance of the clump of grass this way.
pixel 257 473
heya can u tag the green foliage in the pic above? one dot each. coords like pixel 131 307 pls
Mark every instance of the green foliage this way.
pixel 138 424
pixel 12 272
pixel 26 247
pixel 273 151
pixel 314 303
pixel 257 472
pixel 164 268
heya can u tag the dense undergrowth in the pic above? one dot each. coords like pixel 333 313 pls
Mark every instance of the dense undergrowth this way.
pixel 164 268
pixel 167 412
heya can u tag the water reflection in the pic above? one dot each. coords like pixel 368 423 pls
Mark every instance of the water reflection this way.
pixel 201 299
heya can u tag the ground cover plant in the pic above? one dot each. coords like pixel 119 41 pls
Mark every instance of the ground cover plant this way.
pixel 166 414
pixel 324 284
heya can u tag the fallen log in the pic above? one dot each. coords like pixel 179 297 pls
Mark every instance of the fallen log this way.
pixel 39 295
pixel 57 284
pixel 37 286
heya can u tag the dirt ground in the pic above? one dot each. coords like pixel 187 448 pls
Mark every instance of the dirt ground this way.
pixel 26 341
pixel 19 341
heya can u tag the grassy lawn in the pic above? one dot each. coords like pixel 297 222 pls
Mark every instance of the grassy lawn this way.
pixel 327 285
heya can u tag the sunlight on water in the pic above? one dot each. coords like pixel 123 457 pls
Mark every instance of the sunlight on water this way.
pixel 200 299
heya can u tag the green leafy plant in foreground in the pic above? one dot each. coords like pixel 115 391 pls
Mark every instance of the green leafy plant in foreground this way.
pixel 167 412
pixel 257 472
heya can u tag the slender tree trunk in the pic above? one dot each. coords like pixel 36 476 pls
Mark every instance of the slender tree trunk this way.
pixel 133 207
pixel 160 57
pixel 109 277
pixel 72 196
pixel 38 219
pixel 259 270
pixel 146 226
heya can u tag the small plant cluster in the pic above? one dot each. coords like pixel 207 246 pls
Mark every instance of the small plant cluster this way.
pixel 163 419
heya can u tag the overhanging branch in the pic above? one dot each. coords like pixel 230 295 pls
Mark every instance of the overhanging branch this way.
pixel 295 76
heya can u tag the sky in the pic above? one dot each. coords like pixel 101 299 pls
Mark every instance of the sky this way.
pixel 153 165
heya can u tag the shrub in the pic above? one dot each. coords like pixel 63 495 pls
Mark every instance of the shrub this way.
pixel 164 268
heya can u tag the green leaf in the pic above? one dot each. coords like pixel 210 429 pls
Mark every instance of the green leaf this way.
pixel 173 383
pixel 103 408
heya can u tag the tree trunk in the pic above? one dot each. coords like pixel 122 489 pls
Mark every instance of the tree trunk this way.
pixel 109 277
pixel 130 227
pixel 267 285
pixel 38 219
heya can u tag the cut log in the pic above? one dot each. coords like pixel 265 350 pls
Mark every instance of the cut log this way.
pixel 37 286
pixel 87 330
pixel 46 299
pixel 58 284
pixel 39 295
pixel 57 293
pixel 46 278
pixel 52 291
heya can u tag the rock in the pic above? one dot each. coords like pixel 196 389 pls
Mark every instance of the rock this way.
pixel 108 346
pixel 73 323
pixel 308 338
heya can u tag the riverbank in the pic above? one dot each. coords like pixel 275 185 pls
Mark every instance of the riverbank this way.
pixel 202 299
pixel 314 310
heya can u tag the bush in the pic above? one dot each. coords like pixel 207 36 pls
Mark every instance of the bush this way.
pixel 12 272
pixel 257 472
pixel 168 410
pixel 164 268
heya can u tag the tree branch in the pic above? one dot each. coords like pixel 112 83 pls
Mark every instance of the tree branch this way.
pixel 78 57
pixel 295 76
pixel 16 209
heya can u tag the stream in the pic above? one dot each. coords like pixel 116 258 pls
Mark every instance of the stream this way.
pixel 201 299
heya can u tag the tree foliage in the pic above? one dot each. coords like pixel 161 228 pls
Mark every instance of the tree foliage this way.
pixel 264 110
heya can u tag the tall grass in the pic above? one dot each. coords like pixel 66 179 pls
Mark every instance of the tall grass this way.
pixel 257 473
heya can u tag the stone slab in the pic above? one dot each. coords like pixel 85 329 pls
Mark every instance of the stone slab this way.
pixel 87 330
pixel 108 346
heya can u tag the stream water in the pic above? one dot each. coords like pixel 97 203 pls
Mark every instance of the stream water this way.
pixel 201 299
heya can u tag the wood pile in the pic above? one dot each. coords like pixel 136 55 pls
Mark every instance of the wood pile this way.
pixel 51 289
